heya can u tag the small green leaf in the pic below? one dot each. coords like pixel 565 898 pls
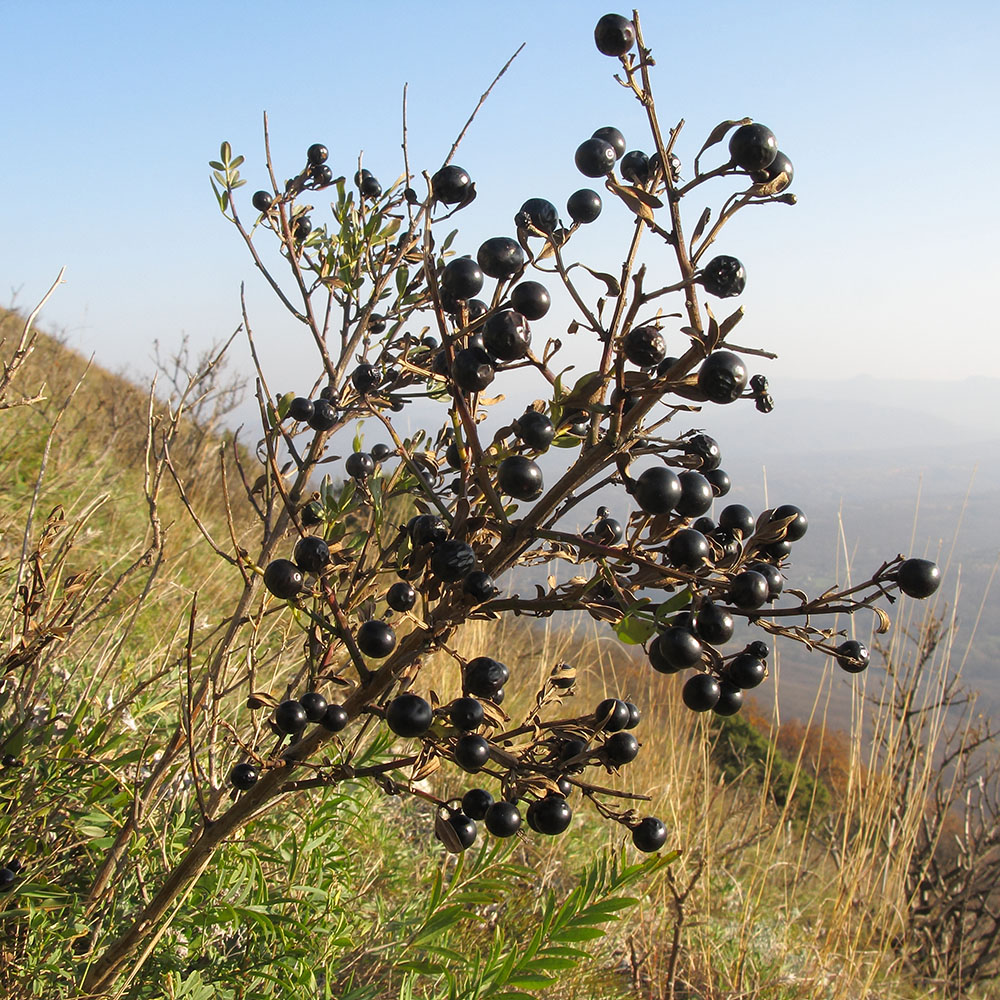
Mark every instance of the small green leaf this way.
pixel 634 630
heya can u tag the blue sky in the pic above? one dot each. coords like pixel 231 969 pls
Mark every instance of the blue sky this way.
pixel 888 110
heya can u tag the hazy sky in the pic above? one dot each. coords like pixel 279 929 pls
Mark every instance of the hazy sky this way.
pixel 888 110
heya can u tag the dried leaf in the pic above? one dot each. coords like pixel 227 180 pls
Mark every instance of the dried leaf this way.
pixel 884 622
pixel 614 289
pixel 719 133
pixel 702 223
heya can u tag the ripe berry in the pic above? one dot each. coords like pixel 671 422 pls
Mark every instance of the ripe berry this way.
pixel 359 465
pixel 918 577
pixel 380 452
pixel 466 714
pixel 520 478
pixel 753 147
pixel 500 257
pixel 335 718
pixel 595 158
pixel 746 670
pixel 610 134
pixel 724 277
pixel 317 153
pixel 796 528
pixel 401 596
pixel 531 299
pixel 426 528
pixel 853 656
pixel 367 184
pixel 621 748
pixel 451 185
pixel 707 449
pixel 283 578
pixel 471 752
pixel 650 835
pixel 749 590
pixel 720 481
pixel 473 369
pixel 376 639
pixel 614 35
pixel 476 802
pixel 644 346
pixel 312 554
pixel 480 586
pixel 571 748
pixel 7 878
pixel 565 787
pixel 688 549
pixel 540 213
pixel 657 490
pixel 366 378
pixel 409 715
pixel 737 517
pixel 584 206
pixel 779 165
pixel 611 715
pixel 758 649
pixel 321 175
pixel 771 573
pixel 315 706
pixel 608 531
pixel 462 278
pixel 634 715
pixel 484 676
pixel 534 429
pixel 503 819
pixel 465 831
pixel 506 335
pixel 311 514
pixel 701 692
pixel 635 167
pixel 290 717
pixel 715 624
pixel 303 227
pixel 549 816
pixel 674 650
pixel 262 201
pixel 452 560
pixel 696 494
pixel 704 524
pixel 730 698
pixel 300 408
pixel 722 376
pixel 324 416
pixel 244 776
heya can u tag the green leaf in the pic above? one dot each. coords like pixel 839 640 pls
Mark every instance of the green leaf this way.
pixel 634 630
pixel 225 152
pixel 678 602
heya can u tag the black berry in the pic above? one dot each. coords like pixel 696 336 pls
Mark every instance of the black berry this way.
pixel 503 819
pixel 610 134
pixel 715 624
pixel 675 649
pixel 471 752
pixel 520 478
pixel 301 408
pixel 283 578
pixel 262 201
pixel 918 577
pixel 500 257
pixel 535 429
pixel 621 748
pixel 853 656
pixel 290 717
pixel 696 494
pixel 401 596
pixel 506 335
pixel 324 416
pixel 312 554
pixel 316 154
pixel 531 299
pixel 722 376
pixel 244 777
pixel 635 167
pixel 657 490
pixel 644 346
pixel 746 670
pixel 611 715
pixel 466 714
pixel 451 185
pixel 376 639
pixel 595 158
pixel 367 184
pixel 650 835
pixel 359 465
pixel 753 147
pixel 484 676
pixel 335 718
pixel 730 698
pixel 453 560
pixel 724 277
pixel 540 213
pixel 462 278
pixel 614 35
pixel 473 369
pixel 409 715
pixel 700 692
pixel 549 816
pixel 315 706
pixel 584 206
pixel 476 802
pixel 480 586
